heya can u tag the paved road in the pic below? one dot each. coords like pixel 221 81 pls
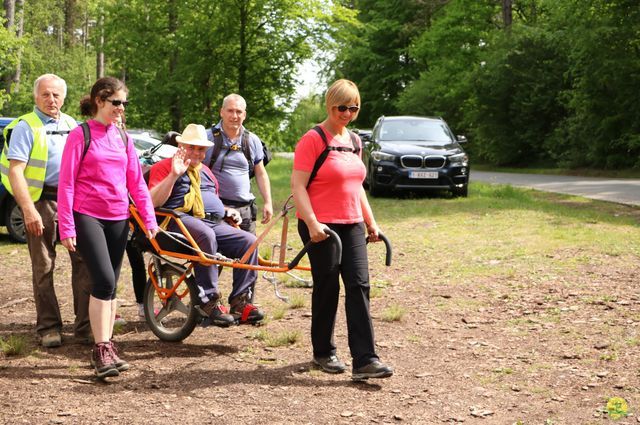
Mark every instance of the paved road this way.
pixel 623 191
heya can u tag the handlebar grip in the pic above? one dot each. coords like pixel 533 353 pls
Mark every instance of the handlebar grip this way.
pixel 333 237
pixel 387 244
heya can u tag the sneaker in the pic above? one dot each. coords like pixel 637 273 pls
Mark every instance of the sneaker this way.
pixel 218 313
pixel 102 360
pixel 141 310
pixel 51 339
pixel 119 320
pixel 375 369
pixel 245 312
pixel 331 364
pixel 120 364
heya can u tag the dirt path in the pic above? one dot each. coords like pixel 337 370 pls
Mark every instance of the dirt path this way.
pixel 540 346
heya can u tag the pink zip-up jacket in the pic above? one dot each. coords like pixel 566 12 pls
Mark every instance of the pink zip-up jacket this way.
pixel 97 185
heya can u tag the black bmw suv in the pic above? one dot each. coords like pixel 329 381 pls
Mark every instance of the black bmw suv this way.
pixel 415 153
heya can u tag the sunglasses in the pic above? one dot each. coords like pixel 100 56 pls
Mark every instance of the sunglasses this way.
pixel 352 109
pixel 124 103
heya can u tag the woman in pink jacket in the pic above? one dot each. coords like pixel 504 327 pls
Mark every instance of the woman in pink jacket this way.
pixel 93 209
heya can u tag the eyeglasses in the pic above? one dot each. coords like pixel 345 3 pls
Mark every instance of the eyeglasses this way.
pixel 353 109
pixel 124 103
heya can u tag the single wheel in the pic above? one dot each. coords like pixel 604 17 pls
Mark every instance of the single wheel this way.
pixel 174 318
pixel 15 223
pixel 461 191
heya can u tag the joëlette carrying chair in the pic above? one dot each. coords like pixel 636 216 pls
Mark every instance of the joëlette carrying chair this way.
pixel 171 302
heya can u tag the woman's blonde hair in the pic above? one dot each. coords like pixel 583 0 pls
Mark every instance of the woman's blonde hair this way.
pixel 342 92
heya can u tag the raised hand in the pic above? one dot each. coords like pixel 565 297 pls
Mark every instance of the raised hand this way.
pixel 180 163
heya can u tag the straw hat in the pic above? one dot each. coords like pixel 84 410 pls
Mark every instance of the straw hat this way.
pixel 195 135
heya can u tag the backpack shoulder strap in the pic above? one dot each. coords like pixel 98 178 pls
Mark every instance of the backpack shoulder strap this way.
pixel 86 132
pixel 354 141
pixel 246 149
pixel 322 157
pixel 217 145
pixel 87 138
pixel 124 138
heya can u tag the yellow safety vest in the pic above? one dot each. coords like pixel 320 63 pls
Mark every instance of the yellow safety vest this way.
pixel 36 168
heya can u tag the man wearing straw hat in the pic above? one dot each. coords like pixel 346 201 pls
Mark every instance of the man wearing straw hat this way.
pixel 182 183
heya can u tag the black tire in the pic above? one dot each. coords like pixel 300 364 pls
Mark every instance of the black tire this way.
pixel 175 319
pixel 15 223
pixel 461 191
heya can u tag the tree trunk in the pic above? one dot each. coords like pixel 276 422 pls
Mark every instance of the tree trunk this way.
pixel 507 13
pixel 9 12
pixel 174 108
pixel 100 48
pixel 69 22
pixel 19 32
pixel 242 60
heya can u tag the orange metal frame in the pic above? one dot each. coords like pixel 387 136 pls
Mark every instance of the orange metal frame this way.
pixel 199 257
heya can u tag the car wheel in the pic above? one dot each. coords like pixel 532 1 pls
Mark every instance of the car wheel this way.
pixel 461 191
pixel 15 223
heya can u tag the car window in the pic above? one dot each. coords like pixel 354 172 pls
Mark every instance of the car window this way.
pixel 415 130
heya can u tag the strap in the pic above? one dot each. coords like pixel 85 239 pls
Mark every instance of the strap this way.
pixel 325 153
pixel 86 132
pixel 217 145
pixel 217 148
pixel 246 149
pixel 323 156
pixel 87 138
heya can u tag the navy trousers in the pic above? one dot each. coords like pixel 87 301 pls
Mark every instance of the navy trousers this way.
pixel 229 241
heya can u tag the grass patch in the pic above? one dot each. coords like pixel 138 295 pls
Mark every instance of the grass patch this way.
pixel 297 301
pixel 393 313
pixel 14 345
pixel 278 313
pixel 279 340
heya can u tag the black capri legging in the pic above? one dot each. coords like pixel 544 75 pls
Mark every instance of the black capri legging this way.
pixel 101 243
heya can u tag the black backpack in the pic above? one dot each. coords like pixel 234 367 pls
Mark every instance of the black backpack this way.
pixel 87 138
pixel 246 149
pixel 325 153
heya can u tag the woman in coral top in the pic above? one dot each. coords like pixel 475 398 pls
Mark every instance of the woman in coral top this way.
pixel 93 208
pixel 335 199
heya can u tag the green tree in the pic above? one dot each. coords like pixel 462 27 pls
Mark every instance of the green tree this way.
pixel 376 53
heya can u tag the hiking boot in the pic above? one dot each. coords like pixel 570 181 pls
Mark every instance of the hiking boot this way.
pixel 218 313
pixel 141 310
pixel 375 369
pixel 245 312
pixel 331 364
pixel 120 364
pixel 51 339
pixel 102 360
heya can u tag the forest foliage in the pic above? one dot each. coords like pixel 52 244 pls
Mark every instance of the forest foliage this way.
pixel 551 82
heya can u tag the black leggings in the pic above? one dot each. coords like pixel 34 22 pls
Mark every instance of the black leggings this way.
pixel 101 244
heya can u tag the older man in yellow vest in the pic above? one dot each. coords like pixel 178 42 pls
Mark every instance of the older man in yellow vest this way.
pixel 29 167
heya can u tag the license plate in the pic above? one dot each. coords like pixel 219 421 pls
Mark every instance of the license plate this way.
pixel 423 174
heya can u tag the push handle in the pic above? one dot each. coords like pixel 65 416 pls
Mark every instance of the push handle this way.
pixel 387 244
pixel 333 237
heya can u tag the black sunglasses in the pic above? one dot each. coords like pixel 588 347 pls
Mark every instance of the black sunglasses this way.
pixel 352 109
pixel 124 103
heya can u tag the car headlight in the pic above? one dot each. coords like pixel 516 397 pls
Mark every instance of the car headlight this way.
pixel 459 159
pixel 382 156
